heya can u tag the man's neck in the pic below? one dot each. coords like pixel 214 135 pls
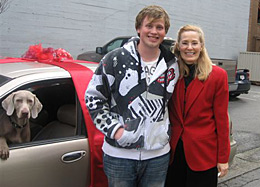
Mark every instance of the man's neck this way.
pixel 148 54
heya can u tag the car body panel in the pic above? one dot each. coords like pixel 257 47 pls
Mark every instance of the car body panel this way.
pixel 41 165
pixel 18 69
pixel 90 56
pixel 229 66
pixel 243 83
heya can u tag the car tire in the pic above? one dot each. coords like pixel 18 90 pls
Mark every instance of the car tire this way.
pixel 234 95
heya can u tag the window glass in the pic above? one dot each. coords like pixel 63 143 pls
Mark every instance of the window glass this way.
pixel 58 117
pixel 3 80
pixel 113 45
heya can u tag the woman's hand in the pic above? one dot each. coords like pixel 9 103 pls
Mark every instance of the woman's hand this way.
pixel 222 169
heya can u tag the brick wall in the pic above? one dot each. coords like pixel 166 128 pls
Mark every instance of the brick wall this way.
pixel 253 44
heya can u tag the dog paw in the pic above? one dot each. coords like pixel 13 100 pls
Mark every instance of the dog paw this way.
pixel 4 153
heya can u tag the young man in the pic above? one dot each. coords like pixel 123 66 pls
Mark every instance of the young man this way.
pixel 127 100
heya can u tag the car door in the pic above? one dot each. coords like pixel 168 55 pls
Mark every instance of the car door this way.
pixel 55 159
pixel 42 164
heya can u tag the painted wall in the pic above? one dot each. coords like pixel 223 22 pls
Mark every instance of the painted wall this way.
pixel 81 25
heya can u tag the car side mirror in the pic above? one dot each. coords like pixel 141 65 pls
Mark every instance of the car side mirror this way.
pixel 99 50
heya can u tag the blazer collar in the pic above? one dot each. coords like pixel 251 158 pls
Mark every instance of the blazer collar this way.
pixel 193 91
pixel 185 99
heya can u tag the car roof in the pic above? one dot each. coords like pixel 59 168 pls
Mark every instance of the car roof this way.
pixel 18 69
pixel 16 73
pixel 23 68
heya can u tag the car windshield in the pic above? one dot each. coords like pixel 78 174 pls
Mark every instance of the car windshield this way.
pixel 168 43
pixel 4 79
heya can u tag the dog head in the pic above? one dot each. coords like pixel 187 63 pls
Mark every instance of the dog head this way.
pixel 24 103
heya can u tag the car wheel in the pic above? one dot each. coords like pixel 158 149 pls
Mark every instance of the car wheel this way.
pixel 234 95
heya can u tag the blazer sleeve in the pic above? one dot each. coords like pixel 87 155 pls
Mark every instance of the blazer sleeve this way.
pixel 220 109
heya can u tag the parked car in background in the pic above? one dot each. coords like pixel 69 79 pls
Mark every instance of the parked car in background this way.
pixel 243 83
pixel 95 56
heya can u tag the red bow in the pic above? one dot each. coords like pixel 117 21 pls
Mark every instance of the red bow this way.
pixel 36 52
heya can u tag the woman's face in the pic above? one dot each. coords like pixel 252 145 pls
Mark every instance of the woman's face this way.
pixel 190 46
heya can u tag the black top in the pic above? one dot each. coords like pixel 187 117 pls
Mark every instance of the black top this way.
pixel 190 77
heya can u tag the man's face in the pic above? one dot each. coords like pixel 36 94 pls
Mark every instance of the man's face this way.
pixel 151 33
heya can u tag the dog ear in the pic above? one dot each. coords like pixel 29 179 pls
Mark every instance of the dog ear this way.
pixel 37 107
pixel 8 104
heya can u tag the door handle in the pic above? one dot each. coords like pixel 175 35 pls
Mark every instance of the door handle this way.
pixel 73 156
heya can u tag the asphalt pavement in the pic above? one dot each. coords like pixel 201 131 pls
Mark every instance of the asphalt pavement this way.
pixel 245 170
pixel 250 179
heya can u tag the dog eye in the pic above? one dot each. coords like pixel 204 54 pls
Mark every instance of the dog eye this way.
pixel 30 101
pixel 19 100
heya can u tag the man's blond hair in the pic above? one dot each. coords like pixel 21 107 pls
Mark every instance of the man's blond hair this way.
pixel 153 13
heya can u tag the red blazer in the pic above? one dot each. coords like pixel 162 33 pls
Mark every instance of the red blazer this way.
pixel 202 122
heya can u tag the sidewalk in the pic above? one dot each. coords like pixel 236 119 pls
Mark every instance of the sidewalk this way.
pixel 245 171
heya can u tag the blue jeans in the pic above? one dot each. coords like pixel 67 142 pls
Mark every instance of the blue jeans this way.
pixel 132 173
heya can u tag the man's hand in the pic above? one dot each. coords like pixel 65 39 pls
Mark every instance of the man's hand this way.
pixel 119 133
pixel 222 169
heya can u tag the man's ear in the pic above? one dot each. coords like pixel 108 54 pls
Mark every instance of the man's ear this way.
pixel 138 33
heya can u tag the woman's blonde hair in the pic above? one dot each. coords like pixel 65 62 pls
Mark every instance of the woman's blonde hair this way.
pixel 203 66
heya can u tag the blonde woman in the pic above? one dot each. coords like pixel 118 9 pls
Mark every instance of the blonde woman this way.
pixel 199 115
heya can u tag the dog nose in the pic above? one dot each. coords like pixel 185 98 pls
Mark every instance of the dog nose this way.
pixel 25 114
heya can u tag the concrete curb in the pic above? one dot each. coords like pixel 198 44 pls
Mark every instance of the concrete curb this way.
pixel 242 164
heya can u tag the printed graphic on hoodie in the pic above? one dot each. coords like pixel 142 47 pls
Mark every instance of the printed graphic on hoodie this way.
pixel 119 96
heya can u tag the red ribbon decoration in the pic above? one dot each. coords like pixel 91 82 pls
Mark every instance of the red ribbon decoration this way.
pixel 36 52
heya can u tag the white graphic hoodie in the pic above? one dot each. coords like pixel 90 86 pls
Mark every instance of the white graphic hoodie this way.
pixel 119 96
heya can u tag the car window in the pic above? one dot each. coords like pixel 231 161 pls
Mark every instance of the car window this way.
pixel 58 117
pixel 114 44
pixel 3 80
pixel 168 44
pixel 58 141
